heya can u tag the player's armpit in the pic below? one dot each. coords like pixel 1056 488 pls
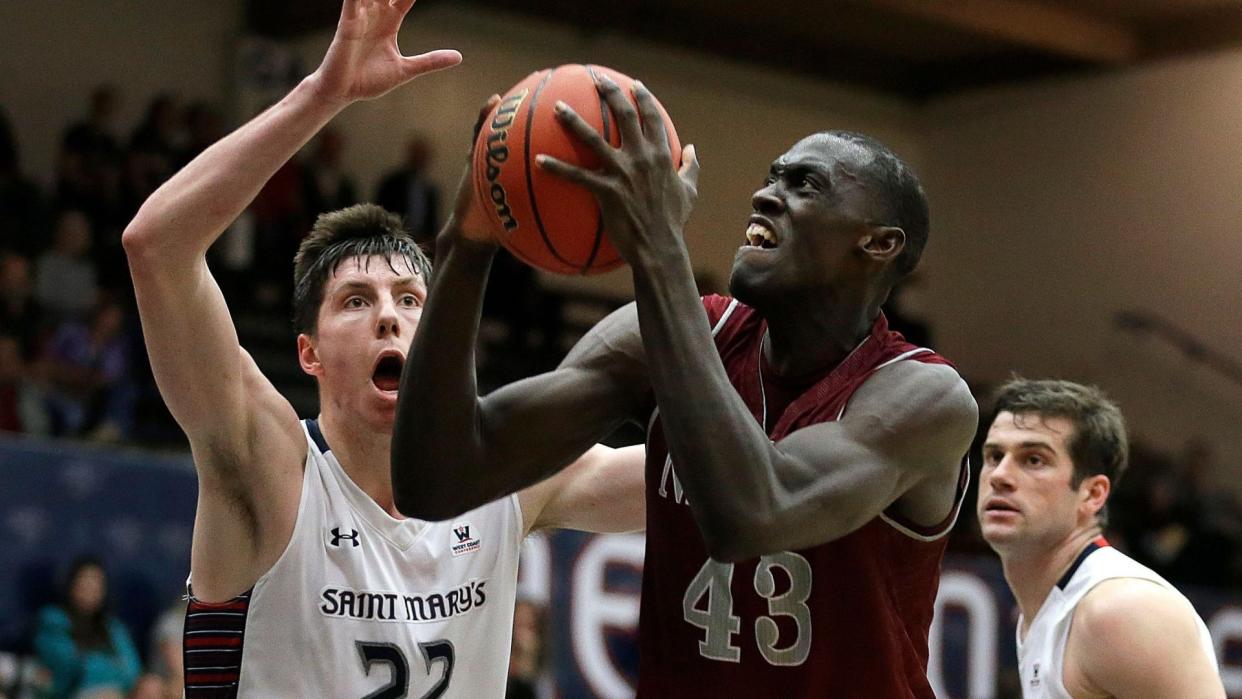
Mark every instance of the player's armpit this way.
pixel 1134 639
pixel 600 492
pixel 908 424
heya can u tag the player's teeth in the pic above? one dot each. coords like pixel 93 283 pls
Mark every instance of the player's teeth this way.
pixel 756 234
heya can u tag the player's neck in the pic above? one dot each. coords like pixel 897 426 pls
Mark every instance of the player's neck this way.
pixel 364 454
pixel 802 341
pixel 1032 573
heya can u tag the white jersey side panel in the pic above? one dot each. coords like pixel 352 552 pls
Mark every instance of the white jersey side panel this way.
pixel 361 604
pixel 1041 656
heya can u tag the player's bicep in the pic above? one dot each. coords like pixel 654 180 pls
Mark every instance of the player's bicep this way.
pixel 552 417
pixel 906 424
pixel 602 491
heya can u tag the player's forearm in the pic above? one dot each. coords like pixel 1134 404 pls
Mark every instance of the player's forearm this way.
pixel 182 218
pixel 438 454
pixel 722 455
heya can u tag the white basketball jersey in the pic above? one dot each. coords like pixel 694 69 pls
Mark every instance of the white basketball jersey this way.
pixel 364 605
pixel 1041 657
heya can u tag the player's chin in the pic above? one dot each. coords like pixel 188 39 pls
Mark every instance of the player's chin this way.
pixel 749 283
pixel 998 533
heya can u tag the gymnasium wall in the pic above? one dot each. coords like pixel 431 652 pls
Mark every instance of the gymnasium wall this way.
pixel 1059 204
pixel 52 52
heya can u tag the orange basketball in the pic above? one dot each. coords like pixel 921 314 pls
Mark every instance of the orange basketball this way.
pixel 546 221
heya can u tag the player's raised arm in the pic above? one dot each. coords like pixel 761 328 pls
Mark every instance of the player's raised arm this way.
pixel 246 440
pixel 454 450
pixel 193 346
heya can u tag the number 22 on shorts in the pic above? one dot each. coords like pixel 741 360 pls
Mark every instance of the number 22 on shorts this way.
pixel 715 580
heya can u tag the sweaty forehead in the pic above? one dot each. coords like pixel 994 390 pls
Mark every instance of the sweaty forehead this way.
pixel 373 269
pixel 828 151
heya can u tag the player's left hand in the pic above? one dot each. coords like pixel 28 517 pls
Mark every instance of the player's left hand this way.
pixel 364 61
pixel 644 202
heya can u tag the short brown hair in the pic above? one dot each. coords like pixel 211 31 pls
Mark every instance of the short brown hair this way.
pixel 1099 445
pixel 358 231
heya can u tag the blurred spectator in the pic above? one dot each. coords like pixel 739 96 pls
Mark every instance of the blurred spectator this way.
pixel 22 214
pixel 90 159
pixel 89 652
pixel 280 221
pixel 20 315
pixel 203 127
pixel 526 656
pixel 159 139
pixel 91 390
pixel 167 662
pixel 65 280
pixel 408 193
pixel 11 370
pixel 328 188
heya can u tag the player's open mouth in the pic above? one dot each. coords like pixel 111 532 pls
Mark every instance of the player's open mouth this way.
pixel 387 374
pixel 760 236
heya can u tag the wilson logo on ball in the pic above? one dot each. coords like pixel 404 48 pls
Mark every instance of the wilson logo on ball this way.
pixel 546 221
pixel 498 154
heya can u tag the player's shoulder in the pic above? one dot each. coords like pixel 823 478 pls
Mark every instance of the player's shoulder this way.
pixel 934 390
pixel 1120 605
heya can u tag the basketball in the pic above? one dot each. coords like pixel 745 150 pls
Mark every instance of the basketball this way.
pixel 543 220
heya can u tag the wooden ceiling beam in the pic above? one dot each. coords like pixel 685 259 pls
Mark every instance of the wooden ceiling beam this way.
pixel 1053 29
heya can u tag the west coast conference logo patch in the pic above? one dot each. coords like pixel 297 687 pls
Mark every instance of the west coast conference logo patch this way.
pixel 464 539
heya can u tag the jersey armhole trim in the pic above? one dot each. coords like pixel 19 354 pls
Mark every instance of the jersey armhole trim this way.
pixel 724 317
pixel 938 531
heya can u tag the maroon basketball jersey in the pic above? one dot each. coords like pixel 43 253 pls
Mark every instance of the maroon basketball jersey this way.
pixel 846 619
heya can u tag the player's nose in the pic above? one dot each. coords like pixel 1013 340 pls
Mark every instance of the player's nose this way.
pixel 766 201
pixel 387 320
pixel 1001 476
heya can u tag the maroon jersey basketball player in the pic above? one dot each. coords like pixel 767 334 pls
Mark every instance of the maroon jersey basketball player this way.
pixel 804 462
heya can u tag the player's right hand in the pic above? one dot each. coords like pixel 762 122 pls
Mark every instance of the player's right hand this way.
pixel 470 219
pixel 364 61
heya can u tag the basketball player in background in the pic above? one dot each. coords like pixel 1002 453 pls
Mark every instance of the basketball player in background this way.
pixel 307 581
pixel 1094 622
pixel 804 464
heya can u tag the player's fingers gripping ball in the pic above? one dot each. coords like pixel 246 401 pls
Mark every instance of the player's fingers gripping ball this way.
pixel 542 219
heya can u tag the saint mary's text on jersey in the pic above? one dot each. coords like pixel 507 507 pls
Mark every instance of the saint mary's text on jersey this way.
pixel 392 606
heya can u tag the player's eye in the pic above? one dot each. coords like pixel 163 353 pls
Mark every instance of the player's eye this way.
pixel 354 302
pixel 1035 460
pixel 410 301
pixel 991 458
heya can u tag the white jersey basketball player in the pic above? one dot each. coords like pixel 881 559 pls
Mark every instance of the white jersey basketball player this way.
pixel 306 579
pixel 1094 622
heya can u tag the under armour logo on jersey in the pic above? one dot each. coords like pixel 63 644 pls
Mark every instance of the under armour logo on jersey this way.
pixel 465 543
pixel 1035 675
pixel 351 537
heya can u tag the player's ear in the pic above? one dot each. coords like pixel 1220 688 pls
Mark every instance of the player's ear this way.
pixel 883 243
pixel 308 356
pixel 1093 492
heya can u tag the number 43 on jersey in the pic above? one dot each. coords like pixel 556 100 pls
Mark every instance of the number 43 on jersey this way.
pixel 714 614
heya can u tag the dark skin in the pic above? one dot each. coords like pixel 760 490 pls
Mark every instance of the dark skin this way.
pixel 820 288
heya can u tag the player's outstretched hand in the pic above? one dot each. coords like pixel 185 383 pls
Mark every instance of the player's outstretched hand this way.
pixel 644 202
pixel 364 61
pixel 469 219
